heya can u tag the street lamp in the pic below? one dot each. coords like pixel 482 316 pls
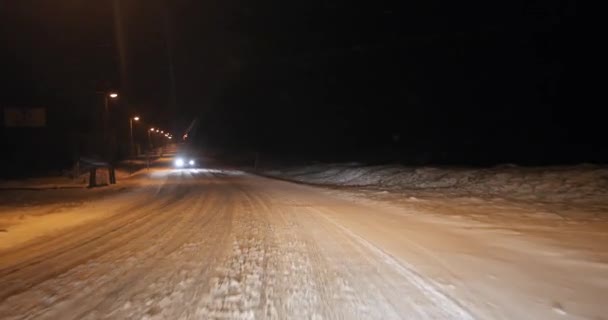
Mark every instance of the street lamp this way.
pixel 106 120
pixel 106 109
pixel 107 97
pixel 136 118
pixel 149 138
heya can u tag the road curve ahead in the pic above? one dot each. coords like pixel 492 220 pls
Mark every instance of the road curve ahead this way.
pixel 222 244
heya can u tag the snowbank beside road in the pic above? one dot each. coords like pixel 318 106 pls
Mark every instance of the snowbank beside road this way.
pixel 124 170
pixel 583 182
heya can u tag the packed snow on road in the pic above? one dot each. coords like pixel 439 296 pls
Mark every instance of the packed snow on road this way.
pixel 344 242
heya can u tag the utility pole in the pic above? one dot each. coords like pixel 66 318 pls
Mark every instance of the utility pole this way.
pixel 107 150
pixel 136 118
pixel 106 120
pixel 150 146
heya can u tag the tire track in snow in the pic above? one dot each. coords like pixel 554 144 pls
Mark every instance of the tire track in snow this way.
pixel 268 274
pixel 145 265
pixel 41 251
pixel 70 271
pixel 235 292
pixel 160 288
pixel 72 257
pixel 358 287
pixel 451 309
pixel 291 290
pixel 29 254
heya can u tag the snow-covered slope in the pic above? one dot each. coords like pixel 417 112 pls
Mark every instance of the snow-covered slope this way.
pixel 583 182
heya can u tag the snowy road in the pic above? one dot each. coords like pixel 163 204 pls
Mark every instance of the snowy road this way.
pixel 221 244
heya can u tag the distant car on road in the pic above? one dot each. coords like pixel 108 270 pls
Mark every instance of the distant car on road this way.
pixel 185 162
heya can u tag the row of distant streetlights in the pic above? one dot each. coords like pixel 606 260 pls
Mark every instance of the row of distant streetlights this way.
pixel 166 134
pixel 114 95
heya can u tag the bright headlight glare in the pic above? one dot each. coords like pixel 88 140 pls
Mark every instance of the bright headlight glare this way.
pixel 179 162
pixel 191 162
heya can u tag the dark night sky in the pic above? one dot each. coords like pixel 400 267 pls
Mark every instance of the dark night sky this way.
pixel 472 78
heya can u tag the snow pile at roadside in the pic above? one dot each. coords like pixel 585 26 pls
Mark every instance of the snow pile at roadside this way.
pixel 584 182
pixel 124 171
pixel 57 182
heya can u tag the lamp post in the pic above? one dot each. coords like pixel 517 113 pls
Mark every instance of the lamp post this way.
pixel 150 139
pixel 106 113
pixel 106 145
pixel 136 118
pixel 107 97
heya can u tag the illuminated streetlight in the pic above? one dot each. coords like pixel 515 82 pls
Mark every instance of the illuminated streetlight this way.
pixel 106 102
pixel 106 128
pixel 150 138
pixel 136 118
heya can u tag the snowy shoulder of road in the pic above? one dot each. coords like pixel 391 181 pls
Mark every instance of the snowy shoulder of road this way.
pixel 46 206
pixel 67 182
pixel 584 183
pixel 57 182
pixel 548 225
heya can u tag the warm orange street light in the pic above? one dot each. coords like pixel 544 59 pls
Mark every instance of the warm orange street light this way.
pixel 136 118
pixel 106 97
pixel 150 138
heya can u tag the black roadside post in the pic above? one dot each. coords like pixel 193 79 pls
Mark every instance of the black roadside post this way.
pixel 92 177
pixel 112 174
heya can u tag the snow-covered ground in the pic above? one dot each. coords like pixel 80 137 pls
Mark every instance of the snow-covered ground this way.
pixel 212 243
pixel 124 170
pixel 584 183
pixel 539 220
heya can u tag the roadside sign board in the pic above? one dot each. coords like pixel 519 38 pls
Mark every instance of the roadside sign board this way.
pixel 24 117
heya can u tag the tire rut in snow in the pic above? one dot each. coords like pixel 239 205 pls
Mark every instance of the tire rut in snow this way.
pixel 90 268
pixel 236 290
pixel 268 275
pixel 41 251
pixel 168 288
pixel 147 286
pixel 426 299
pixel 292 288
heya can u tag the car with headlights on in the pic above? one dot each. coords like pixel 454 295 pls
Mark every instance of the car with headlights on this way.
pixel 184 162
